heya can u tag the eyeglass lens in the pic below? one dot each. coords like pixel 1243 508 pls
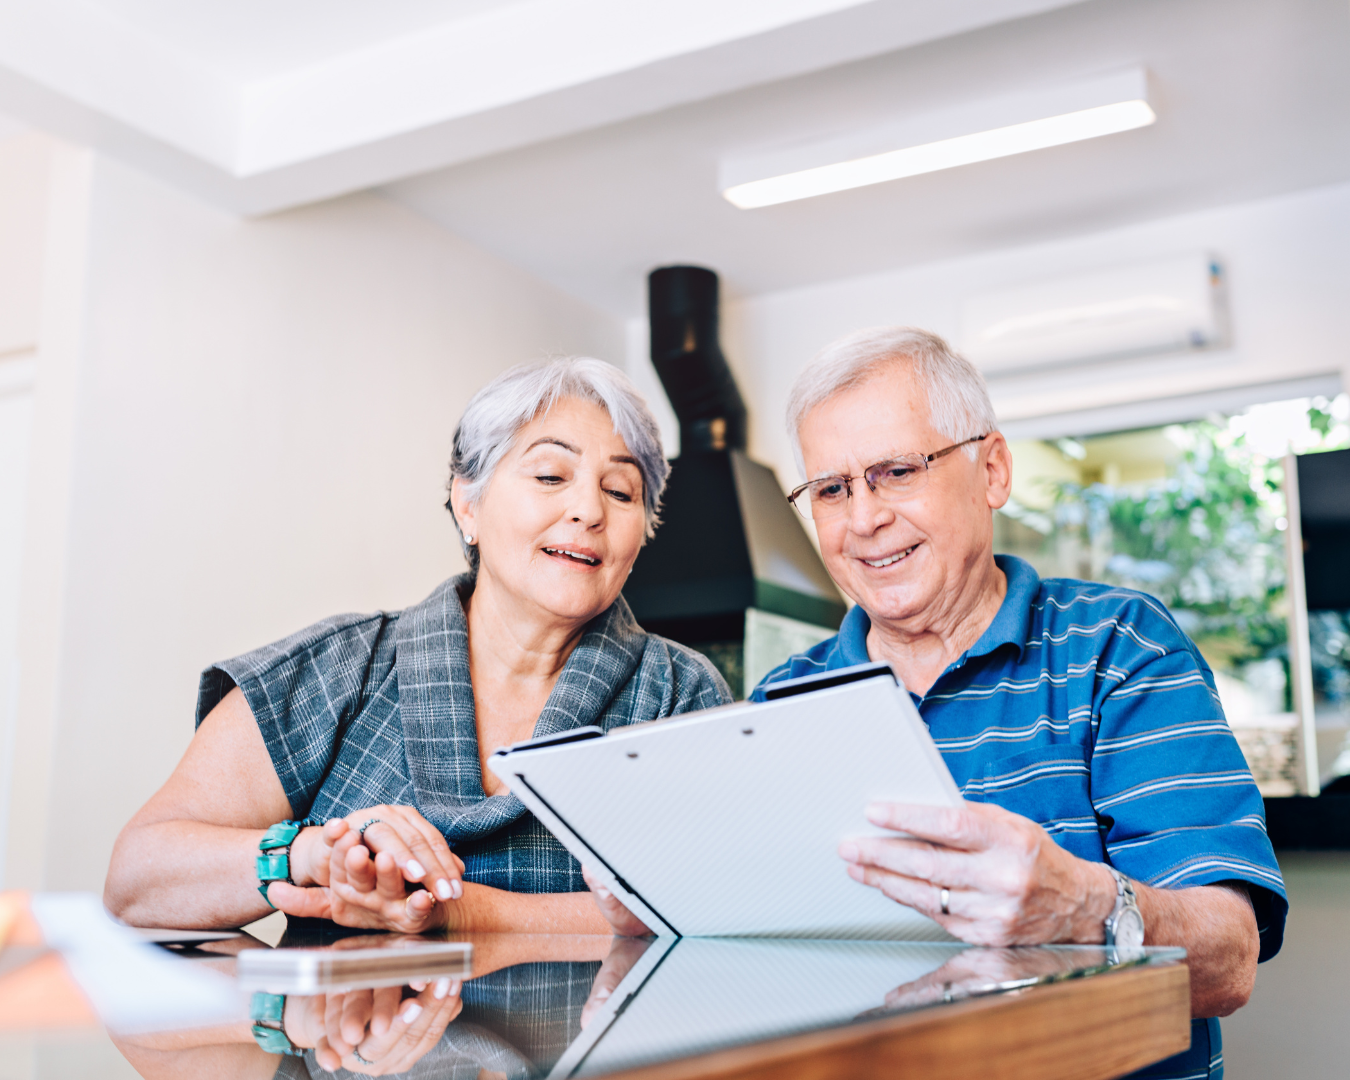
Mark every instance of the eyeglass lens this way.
pixel 891 480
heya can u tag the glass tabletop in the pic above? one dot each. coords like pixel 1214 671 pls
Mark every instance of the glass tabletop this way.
pixel 558 1006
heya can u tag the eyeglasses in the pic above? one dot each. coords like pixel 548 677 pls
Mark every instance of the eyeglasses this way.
pixel 892 481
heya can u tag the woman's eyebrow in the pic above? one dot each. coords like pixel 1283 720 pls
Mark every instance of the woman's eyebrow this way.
pixel 550 440
pixel 625 459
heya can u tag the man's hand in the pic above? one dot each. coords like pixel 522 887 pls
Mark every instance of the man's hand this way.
pixel 1008 882
pixel 623 921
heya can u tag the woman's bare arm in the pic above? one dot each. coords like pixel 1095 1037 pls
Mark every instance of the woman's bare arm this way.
pixel 187 858
pixel 485 910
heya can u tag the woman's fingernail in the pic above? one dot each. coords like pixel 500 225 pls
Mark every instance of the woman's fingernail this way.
pixel 857 873
pixel 415 870
pixel 442 988
pixel 848 851
pixel 443 890
pixel 876 814
pixel 603 893
pixel 602 994
pixel 412 1012
pixel 456 889
pixel 455 986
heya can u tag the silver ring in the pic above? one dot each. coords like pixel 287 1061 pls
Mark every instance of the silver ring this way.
pixel 357 1055
pixel 361 832
pixel 943 897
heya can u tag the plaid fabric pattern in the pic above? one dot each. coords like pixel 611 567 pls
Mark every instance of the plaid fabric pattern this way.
pixel 516 1021
pixel 360 710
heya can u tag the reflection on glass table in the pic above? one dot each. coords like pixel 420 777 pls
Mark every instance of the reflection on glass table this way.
pixel 538 1006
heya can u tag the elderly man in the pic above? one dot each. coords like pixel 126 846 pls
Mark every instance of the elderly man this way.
pixel 1103 786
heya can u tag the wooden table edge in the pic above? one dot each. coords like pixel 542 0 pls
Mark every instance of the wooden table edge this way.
pixel 1094 1028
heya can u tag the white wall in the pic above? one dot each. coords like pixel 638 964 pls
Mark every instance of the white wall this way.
pixel 260 428
pixel 1288 267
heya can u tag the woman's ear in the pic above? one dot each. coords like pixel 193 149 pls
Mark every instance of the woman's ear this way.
pixel 465 517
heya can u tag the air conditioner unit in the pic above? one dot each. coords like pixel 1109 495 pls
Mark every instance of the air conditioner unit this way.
pixel 1165 306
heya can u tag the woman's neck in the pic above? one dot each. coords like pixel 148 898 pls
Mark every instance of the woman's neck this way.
pixel 512 640
pixel 516 653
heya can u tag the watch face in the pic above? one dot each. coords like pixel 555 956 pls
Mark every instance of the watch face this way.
pixel 1129 930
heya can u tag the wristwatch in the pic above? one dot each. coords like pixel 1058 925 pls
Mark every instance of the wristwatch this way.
pixel 1124 926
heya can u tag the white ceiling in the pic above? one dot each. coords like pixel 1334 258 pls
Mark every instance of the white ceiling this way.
pixel 1251 98
pixel 261 106
pixel 581 138
pixel 251 39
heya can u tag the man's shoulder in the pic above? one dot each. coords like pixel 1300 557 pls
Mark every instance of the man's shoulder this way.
pixel 820 657
pixel 1064 610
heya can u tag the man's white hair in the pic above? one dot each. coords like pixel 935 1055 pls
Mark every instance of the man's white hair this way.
pixel 958 400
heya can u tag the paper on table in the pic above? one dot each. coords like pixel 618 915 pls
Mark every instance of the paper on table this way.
pixel 134 987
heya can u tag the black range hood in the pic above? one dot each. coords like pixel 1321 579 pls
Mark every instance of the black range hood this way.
pixel 729 541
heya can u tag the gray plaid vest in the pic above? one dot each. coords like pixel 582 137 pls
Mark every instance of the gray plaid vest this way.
pixel 359 710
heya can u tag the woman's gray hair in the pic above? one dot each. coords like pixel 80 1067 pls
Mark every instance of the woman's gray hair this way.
pixel 958 399
pixel 495 415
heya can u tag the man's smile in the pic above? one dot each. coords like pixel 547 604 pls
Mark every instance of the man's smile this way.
pixel 890 560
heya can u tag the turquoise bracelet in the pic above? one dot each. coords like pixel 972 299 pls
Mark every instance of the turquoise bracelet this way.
pixel 267 1012
pixel 274 864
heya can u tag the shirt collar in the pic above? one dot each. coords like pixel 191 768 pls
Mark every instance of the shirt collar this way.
pixel 1011 624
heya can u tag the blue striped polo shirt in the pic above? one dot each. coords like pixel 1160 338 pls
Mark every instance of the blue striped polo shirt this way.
pixel 1085 708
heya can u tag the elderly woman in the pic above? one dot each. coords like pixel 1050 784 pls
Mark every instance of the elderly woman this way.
pixel 369 734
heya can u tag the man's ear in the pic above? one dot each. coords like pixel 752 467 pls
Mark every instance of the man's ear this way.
pixel 998 466
pixel 465 517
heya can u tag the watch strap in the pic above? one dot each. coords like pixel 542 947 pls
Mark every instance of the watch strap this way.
pixel 1125 901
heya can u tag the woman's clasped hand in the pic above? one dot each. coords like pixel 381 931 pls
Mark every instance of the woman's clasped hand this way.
pixel 374 1032
pixel 381 868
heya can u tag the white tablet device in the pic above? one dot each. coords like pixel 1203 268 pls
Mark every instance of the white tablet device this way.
pixel 684 996
pixel 728 821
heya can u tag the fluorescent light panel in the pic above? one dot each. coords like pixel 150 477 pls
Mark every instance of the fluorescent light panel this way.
pixel 1013 124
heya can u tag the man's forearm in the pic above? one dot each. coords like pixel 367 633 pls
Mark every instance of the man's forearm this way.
pixel 1216 925
pixel 486 910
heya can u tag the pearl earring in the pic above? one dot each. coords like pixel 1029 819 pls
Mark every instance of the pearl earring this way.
pixel 469 540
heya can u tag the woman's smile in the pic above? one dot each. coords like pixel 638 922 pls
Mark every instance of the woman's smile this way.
pixel 577 556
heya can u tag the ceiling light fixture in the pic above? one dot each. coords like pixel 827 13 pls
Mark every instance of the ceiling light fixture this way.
pixel 1012 124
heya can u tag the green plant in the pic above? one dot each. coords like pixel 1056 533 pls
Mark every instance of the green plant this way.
pixel 1206 541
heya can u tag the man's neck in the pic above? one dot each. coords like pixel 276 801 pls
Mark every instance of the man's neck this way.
pixel 919 655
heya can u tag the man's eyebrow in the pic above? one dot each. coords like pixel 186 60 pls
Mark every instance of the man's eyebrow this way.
pixel 550 440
